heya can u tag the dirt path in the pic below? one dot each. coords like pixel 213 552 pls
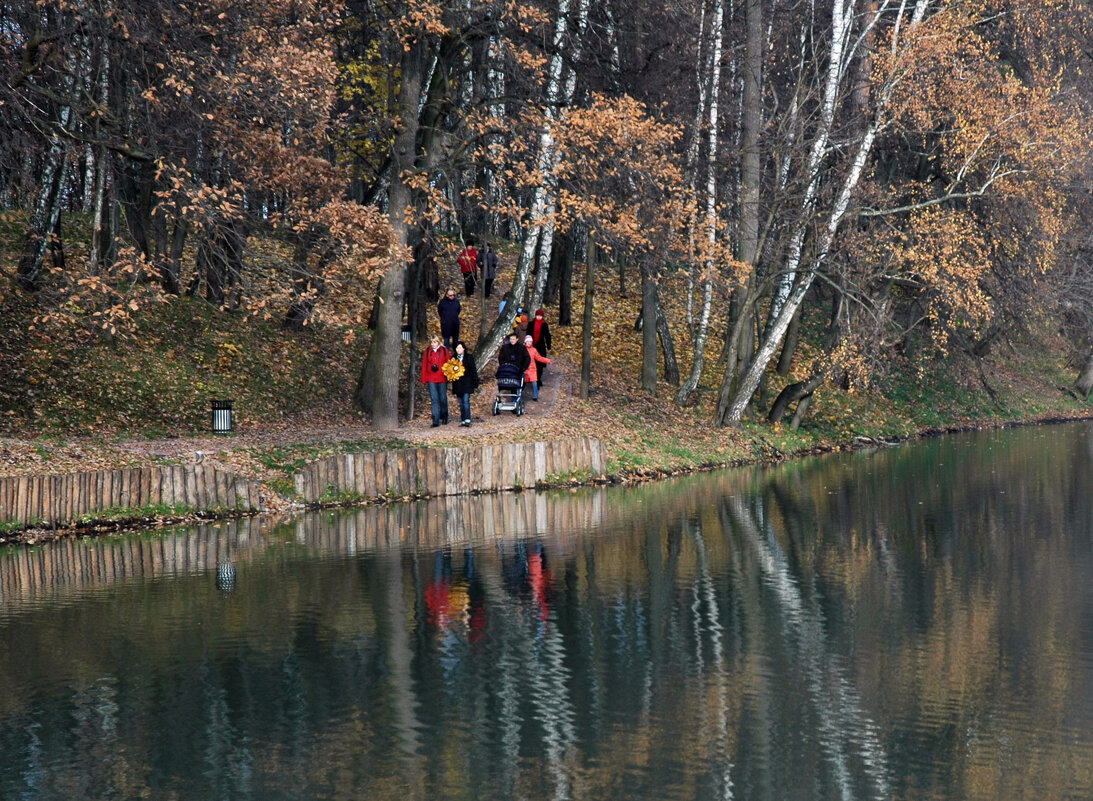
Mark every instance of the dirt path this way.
pixel 546 418
pixel 553 398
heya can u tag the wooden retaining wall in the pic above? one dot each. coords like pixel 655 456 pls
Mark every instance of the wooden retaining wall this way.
pixel 57 500
pixel 67 567
pixel 447 471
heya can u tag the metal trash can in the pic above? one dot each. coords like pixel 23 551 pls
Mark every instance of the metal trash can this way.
pixel 222 416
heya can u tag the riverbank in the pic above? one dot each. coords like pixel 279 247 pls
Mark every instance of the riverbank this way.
pixel 644 437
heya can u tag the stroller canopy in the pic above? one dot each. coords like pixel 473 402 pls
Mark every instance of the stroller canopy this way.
pixel 509 376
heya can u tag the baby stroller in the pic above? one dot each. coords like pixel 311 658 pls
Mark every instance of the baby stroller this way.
pixel 510 390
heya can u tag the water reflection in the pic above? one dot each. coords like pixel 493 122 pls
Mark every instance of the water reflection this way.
pixel 907 623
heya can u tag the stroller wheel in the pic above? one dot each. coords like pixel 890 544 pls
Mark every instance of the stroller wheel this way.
pixel 519 410
pixel 497 407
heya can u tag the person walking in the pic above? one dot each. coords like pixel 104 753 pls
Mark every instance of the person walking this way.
pixel 448 309
pixel 531 374
pixel 540 337
pixel 487 268
pixel 468 265
pixel 432 376
pixel 467 383
pixel 520 323
pixel 513 352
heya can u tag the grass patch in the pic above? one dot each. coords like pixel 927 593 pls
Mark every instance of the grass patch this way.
pixel 118 513
pixel 576 475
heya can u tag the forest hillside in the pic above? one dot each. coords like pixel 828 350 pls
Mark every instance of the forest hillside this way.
pixel 755 229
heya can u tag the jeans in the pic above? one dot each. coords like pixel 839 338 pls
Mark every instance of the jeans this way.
pixel 534 389
pixel 438 400
pixel 451 337
pixel 465 408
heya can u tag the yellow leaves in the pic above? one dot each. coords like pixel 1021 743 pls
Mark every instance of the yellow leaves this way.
pixel 617 169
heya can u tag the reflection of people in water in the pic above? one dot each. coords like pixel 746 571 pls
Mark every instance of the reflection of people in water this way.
pixel 453 602
pixel 528 571
pixel 541 580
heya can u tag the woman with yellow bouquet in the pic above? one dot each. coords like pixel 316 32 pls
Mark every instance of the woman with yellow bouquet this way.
pixel 462 373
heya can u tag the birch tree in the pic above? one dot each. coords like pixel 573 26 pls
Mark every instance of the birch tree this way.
pixel 733 401
pixel 710 219
pixel 922 52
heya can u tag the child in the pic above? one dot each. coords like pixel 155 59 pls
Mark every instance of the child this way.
pixel 531 375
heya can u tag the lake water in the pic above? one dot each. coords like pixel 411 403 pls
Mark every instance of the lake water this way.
pixel 905 623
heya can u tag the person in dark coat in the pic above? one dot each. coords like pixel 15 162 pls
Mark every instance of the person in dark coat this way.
pixel 448 309
pixel 512 351
pixel 540 338
pixel 432 376
pixel 467 383
pixel 487 267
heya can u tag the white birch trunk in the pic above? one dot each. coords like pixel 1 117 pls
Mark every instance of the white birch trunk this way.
pixel 717 28
pixel 98 203
pixel 540 203
pixel 779 322
pixel 546 243
pixel 691 164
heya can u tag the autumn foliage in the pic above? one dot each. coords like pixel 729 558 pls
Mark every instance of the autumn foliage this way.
pixel 890 181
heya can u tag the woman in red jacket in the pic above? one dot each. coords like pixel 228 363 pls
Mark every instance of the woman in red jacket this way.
pixel 433 377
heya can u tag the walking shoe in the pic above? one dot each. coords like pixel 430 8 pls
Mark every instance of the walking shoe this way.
pixel 435 425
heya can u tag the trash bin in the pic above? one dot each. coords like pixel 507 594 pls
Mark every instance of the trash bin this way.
pixel 222 416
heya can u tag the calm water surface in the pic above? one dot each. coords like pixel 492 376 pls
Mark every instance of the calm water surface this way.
pixel 909 623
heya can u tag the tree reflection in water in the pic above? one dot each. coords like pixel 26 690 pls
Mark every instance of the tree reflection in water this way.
pixel 907 623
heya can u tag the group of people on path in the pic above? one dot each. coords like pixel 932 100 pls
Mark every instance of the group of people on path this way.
pixel 529 355
pixel 446 363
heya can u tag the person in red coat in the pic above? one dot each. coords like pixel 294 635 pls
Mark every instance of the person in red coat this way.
pixel 433 377
pixel 468 265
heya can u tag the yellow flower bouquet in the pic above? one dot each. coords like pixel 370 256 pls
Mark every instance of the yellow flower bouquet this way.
pixel 453 369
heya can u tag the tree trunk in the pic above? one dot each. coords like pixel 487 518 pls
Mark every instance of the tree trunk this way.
pixel 561 264
pixel 711 214
pixel 99 226
pixel 377 388
pixel 1084 384
pixel 542 197
pixel 565 290
pixel 303 303
pixel 415 315
pixel 135 186
pixel 790 296
pixel 586 335
pixel 563 97
pixel 667 346
pixel 648 332
pixel 794 392
pixel 44 219
pixel 789 347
